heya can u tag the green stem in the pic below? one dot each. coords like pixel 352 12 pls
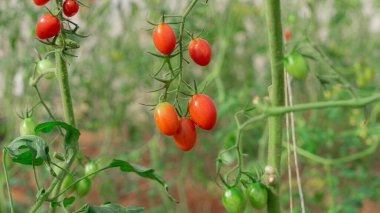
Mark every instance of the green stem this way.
pixel 360 102
pixel 7 181
pixel 277 96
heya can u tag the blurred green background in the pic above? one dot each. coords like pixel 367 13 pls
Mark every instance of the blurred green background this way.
pixel 110 78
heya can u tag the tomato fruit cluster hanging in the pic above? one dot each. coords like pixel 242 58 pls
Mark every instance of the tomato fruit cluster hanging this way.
pixel 48 25
pixel 169 117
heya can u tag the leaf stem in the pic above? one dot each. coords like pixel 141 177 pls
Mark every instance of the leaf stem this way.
pixel 7 181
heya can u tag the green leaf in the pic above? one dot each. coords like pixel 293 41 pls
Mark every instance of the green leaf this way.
pixel 67 201
pixel 112 208
pixel 26 149
pixel 141 171
pixel 71 136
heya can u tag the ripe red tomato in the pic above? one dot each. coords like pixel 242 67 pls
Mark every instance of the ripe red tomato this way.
pixel 200 51
pixel 202 111
pixel 47 26
pixel 287 34
pixel 186 136
pixel 40 2
pixel 166 118
pixel 70 7
pixel 164 38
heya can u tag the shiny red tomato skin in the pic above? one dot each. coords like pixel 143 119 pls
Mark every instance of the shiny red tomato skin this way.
pixel 47 26
pixel 40 2
pixel 186 136
pixel 200 51
pixel 164 38
pixel 70 8
pixel 166 118
pixel 202 111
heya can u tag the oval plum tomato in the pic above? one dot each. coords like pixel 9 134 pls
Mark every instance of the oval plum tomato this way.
pixel 202 111
pixel 200 51
pixel 40 2
pixel 287 34
pixel 47 68
pixel 166 118
pixel 258 195
pixel 186 136
pixel 233 200
pixel 164 38
pixel 47 26
pixel 83 187
pixel 296 66
pixel 27 126
pixel 90 168
pixel 70 7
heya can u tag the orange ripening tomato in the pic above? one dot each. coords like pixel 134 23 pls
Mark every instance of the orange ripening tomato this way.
pixel 164 38
pixel 166 118
pixel 202 111
pixel 200 51
pixel 287 34
pixel 186 136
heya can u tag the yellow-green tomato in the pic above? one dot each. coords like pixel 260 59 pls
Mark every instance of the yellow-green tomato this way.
pixel 296 66
pixel 46 67
pixel 257 195
pixel 27 126
pixel 83 187
pixel 233 200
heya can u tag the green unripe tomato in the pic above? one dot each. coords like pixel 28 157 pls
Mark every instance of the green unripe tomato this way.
pixel 27 126
pixel 296 66
pixel 67 181
pixel 233 200
pixel 257 195
pixel 47 68
pixel 83 187
pixel 90 168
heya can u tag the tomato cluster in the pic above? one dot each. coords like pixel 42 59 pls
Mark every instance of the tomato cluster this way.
pixel 234 201
pixel 201 108
pixel 202 112
pixel 48 25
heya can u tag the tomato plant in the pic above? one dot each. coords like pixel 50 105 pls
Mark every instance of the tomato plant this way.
pixel 233 200
pixel 90 168
pixel 27 126
pixel 47 26
pixel 40 2
pixel 200 51
pixel 166 118
pixel 202 111
pixel 83 187
pixel 164 38
pixel 70 8
pixel 47 68
pixel 296 65
pixel 186 136
pixel 257 195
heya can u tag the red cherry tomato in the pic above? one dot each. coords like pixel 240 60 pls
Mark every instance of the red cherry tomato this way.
pixel 166 118
pixel 200 51
pixel 47 26
pixel 40 2
pixel 186 136
pixel 164 38
pixel 70 7
pixel 287 34
pixel 202 111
